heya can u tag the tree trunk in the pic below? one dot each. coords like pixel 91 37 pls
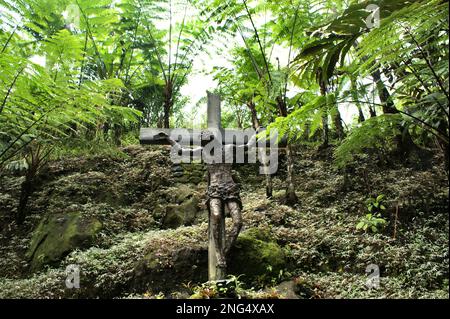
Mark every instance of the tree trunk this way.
pixel 372 111
pixel 383 93
pixel 35 161
pixel 337 120
pixel 28 186
pixel 168 103
pixel 256 125
pixel 106 130
pixel 325 131
pixel 404 140
pixel 444 127
pixel 255 121
pixel 117 134
pixel 361 117
pixel 325 128
pixel 291 197
pixel 354 89
pixel 238 120
pixel 26 190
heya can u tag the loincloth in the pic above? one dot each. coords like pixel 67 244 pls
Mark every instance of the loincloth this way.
pixel 225 192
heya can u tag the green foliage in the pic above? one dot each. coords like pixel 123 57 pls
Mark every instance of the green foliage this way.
pixel 307 118
pixel 83 148
pixel 227 288
pixel 376 133
pixel 66 94
pixel 373 221
pixel 37 107
pixel 376 205
pixel 413 45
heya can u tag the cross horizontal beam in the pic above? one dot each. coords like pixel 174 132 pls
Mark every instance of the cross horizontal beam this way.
pixel 188 137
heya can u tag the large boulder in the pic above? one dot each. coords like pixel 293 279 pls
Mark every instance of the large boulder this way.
pixel 256 256
pixel 184 206
pixel 57 235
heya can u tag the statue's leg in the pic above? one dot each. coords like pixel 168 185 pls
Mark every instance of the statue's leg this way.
pixel 236 215
pixel 216 216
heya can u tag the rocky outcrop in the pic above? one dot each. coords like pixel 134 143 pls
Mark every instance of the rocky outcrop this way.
pixel 256 256
pixel 58 235
pixel 187 264
pixel 184 206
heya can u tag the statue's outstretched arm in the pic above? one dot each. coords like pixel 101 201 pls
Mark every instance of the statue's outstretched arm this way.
pixel 251 143
pixel 178 148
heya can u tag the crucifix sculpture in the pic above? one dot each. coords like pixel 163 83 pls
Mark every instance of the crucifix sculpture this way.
pixel 217 147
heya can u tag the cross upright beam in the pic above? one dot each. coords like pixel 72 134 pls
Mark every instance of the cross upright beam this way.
pixel 215 123
pixel 214 112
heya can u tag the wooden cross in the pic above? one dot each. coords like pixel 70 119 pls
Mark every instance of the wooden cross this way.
pixel 190 137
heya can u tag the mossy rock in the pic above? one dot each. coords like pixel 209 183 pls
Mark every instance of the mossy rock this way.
pixel 183 208
pixel 162 274
pixel 181 215
pixel 193 173
pixel 256 256
pixel 57 235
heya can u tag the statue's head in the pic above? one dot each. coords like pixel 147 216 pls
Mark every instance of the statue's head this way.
pixel 207 135
pixel 161 136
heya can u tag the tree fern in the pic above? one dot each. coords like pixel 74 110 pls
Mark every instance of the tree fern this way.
pixel 375 133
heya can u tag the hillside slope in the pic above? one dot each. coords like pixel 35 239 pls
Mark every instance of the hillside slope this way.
pixel 136 227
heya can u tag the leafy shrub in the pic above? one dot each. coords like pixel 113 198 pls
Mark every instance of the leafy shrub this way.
pixel 373 221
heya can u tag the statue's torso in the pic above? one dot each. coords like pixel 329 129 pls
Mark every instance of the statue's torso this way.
pixel 220 174
pixel 221 184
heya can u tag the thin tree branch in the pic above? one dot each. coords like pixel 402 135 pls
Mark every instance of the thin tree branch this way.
pixel 83 60
pixel 443 136
pixel 158 57
pixel 9 38
pixel 170 37
pixel 438 79
pixel 132 46
pixel 88 29
pixel 290 51
pixel 258 40
pixel 8 93
pixel 179 39
pixel 417 76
